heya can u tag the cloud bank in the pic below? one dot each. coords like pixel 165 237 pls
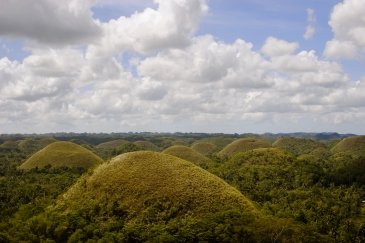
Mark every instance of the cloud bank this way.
pixel 150 71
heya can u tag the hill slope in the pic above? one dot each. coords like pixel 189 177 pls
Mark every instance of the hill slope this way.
pixel 113 144
pixel 147 145
pixel 205 148
pixel 354 145
pixel 188 154
pixel 298 146
pixel 149 196
pixel 243 145
pixel 60 154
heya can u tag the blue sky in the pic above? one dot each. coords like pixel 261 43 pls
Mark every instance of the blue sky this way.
pixel 241 66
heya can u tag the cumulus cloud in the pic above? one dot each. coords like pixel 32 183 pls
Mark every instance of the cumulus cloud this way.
pixel 310 29
pixel 171 24
pixel 348 25
pixel 48 21
pixel 200 80
pixel 274 47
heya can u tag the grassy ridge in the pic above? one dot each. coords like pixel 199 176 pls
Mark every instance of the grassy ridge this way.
pixel 243 145
pixel 188 154
pixel 61 154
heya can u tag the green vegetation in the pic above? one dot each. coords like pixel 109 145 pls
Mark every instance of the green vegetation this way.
pixel 9 144
pixel 306 191
pixel 352 145
pixel 188 154
pixel 242 145
pixel 147 145
pixel 298 146
pixel 62 154
pixel 302 189
pixel 148 196
pixel 205 148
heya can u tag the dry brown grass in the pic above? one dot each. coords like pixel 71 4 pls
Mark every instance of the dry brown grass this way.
pixel 188 154
pixel 205 148
pixel 113 144
pixel 243 145
pixel 61 154
pixel 138 179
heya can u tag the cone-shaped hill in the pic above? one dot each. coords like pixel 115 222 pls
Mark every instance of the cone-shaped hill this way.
pixel 149 196
pixel 62 154
pixel 352 145
pixel 298 146
pixel 205 148
pixel 147 145
pixel 188 154
pixel 113 144
pixel 243 145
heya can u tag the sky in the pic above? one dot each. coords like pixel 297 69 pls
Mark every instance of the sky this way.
pixel 236 66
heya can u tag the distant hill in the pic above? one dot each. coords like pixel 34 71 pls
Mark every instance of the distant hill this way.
pixel 148 196
pixel 353 145
pixel 62 154
pixel 113 144
pixel 32 145
pixel 298 146
pixel 9 144
pixel 188 154
pixel 147 145
pixel 205 148
pixel 219 141
pixel 243 145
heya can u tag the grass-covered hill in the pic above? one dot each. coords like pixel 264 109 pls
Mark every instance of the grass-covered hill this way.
pixel 147 145
pixel 298 146
pixel 219 141
pixel 242 145
pixel 32 145
pixel 188 154
pixel 352 145
pixel 149 196
pixel 112 144
pixel 205 148
pixel 9 144
pixel 62 154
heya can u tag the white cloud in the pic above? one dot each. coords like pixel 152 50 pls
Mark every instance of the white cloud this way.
pixel 199 81
pixel 170 25
pixel 310 29
pixel 348 25
pixel 48 21
pixel 274 47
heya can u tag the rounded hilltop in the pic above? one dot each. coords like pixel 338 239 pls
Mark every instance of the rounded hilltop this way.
pixel 205 148
pixel 243 145
pixel 188 154
pixel 352 145
pixel 62 154
pixel 113 144
pixel 298 146
pixel 150 196
pixel 147 145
